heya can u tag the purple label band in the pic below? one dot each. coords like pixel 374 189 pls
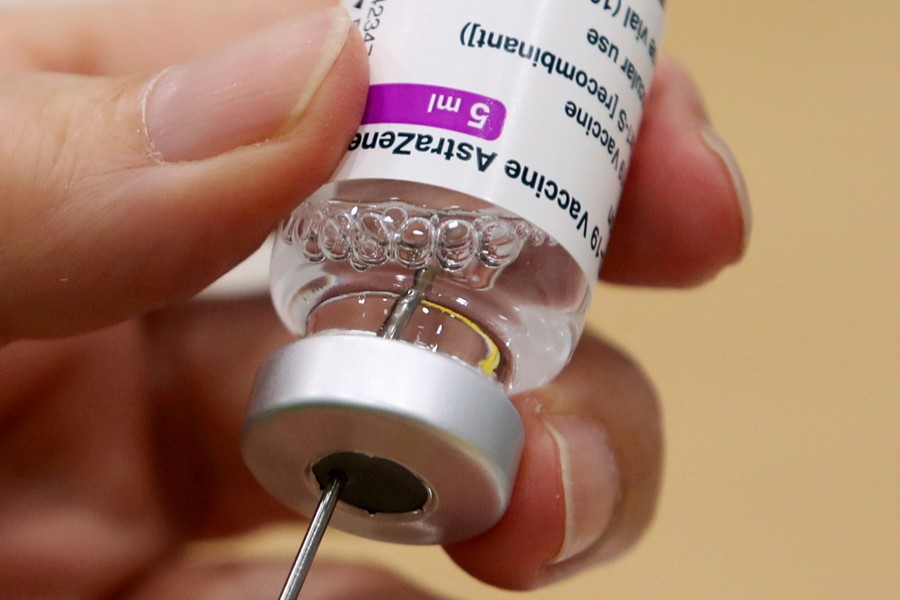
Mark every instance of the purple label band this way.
pixel 433 106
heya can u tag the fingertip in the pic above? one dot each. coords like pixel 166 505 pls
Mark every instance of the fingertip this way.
pixel 103 232
pixel 739 185
pixel 589 477
pixel 515 552
pixel 246 93
pixel 605 386
pixel 280 171
pixel 240 195
pixel 684 214
pixel 590 482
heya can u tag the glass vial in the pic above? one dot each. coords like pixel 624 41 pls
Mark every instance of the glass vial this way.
pixel 452 260
pixel 503 296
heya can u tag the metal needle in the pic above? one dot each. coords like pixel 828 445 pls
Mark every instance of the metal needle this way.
pixel 317 527
pixel 407 304
pixel 396 322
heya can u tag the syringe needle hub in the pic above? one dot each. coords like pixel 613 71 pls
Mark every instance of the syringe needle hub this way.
pixel 313 537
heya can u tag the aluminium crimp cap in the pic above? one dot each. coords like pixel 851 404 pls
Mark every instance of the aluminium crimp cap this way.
pixel 429 445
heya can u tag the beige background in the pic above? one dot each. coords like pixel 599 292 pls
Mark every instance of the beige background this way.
pixel 780 379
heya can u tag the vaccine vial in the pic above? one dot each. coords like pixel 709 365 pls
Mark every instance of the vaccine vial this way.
pixel 451 261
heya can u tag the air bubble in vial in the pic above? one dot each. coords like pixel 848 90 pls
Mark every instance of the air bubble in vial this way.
pixel 414 243
pixel 456 244
pixel 308 233
pixel 335 236
pixel 371 239
pixel 500 242
pixel 395 217
pixel 289 230
pixel 537 237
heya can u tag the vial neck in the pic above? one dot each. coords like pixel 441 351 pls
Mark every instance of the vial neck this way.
pixel 426 324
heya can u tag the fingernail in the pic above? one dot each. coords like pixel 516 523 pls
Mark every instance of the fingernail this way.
pixel 590 481
pixel 244 94
pixel 717 145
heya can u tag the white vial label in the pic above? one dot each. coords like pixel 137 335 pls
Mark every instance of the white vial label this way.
pixel 531 105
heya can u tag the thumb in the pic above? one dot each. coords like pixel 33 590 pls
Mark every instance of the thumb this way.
pixel 118 196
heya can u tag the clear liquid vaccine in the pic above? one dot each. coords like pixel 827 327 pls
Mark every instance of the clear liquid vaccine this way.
pixel 452 260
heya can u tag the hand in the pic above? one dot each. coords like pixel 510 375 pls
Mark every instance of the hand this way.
pixel 123 195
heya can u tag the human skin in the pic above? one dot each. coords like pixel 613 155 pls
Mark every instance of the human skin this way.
pixel 122 399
